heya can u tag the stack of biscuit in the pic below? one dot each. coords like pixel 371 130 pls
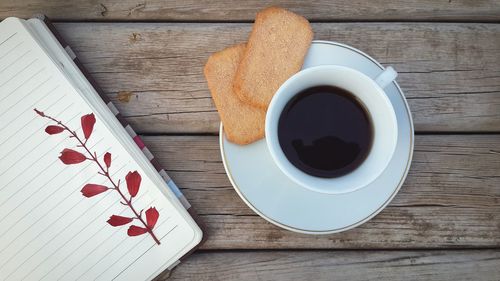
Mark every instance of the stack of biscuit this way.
pixel 243 78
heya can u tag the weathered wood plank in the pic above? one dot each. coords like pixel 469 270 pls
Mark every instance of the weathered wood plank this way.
pixel 341 265
pixel 450 199
pixel 229 10
pixel 449 72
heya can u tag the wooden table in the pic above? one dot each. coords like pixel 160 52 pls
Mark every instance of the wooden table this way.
pixel 445 222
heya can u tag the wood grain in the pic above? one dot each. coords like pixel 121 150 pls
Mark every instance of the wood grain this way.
pixel 230 10
pixel 450 198
pixel 341 265
pixel 449 72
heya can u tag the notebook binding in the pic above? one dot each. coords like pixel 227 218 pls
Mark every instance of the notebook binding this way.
pixel 70 52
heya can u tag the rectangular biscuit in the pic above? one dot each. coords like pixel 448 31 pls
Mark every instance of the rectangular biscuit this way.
pixel 243 123
pixel 275 51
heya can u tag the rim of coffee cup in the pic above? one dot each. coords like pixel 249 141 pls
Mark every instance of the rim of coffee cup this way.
pixel 340 184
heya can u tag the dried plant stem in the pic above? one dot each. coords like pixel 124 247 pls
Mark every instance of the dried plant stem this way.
pixel 105 172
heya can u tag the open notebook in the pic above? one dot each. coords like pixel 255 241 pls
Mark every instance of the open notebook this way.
pixel 55 207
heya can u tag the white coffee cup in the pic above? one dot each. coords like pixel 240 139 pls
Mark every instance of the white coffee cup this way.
pixel 369 92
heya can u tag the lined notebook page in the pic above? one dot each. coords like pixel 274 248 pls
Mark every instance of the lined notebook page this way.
pixel 48 230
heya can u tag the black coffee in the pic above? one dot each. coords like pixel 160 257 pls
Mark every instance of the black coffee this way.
pixel 325 131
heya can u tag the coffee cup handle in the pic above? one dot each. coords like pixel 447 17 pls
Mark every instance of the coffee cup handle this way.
pixel 385 78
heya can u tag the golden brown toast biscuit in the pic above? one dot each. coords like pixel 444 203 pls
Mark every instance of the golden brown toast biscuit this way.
pixel 275 51
pixel 243 123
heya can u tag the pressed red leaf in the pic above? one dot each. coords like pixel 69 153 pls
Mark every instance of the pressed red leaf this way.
pixel 115 220
pixel 152 217
pixel 39 112
pixel 135 230
pixel 88 122
pixel 133 182
pixel 107 159
pixel 70 156
pixel 91 189
pixel 52 130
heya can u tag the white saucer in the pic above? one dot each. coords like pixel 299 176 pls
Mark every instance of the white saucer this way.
pixel 276 198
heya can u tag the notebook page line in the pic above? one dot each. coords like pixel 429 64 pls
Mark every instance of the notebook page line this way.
pixel 64 259
pixel 19 159
pixel 26 139
pixel 128 251
pixel 15 60
pixel 34 192
pixel 140 240
pixel 161 238
pixel 31 210
pixel 67 241
pixel 12 106
pixel 105 250
pixel 33 207
pixel 8 38
pixel 19 129
pixel 31 180
pixel 23 83
pixel 58 219
pixel 56 205
pixel 11 49
pixel 39 173
pixel 68 227
pixel 33 163
pixel 97 247
pixel 19 72
pixel 30 107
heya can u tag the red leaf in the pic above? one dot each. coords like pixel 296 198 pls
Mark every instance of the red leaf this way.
pixel 133 182
pixel 91 189
pixel 52 130
pixel 88 122
pixel 115 220
pixel 107 159
pixel 69 156
pixel 134 230
pixel 39 112
pixel 152 216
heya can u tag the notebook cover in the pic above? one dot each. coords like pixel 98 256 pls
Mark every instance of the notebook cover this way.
pixel 137 139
